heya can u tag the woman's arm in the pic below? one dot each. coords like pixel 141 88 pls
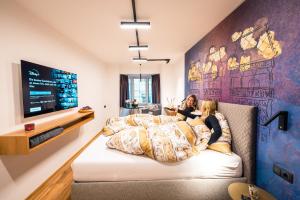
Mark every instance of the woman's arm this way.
pixel 212 122
pixel 187 113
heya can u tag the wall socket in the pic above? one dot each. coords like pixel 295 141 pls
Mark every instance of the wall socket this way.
pixel 283 173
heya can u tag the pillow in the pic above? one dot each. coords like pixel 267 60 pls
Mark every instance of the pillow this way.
pixel 116 124
pixel 202 132
pixel 223 144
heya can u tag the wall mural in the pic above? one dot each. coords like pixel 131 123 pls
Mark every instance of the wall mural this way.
pixel 250 66
pixel 251 58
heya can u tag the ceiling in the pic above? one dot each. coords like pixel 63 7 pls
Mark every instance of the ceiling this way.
pixel 176 25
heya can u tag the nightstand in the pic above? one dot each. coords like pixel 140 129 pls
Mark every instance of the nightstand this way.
pixel 235 191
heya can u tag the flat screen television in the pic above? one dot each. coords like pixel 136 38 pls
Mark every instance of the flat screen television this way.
pixel 47 89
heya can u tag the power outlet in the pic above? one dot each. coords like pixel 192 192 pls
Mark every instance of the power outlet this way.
pixel 288 176
pixel 277 170
pixel 283 173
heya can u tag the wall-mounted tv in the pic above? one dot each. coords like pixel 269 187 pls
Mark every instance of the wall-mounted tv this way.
pixel 47 89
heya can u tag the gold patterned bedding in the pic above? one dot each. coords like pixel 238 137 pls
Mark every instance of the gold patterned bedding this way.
pixel 116 124
pixel 163 138
pixel 170 142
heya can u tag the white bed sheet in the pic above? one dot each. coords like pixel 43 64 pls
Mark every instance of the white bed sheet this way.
pixel 99 163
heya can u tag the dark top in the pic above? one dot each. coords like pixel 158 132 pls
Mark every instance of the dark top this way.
pixel 211 122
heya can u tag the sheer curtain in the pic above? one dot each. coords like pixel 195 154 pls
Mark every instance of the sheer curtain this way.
pixel 156 89
pixel 124 93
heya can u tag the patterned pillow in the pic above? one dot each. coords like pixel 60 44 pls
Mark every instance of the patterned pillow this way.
pixel 202 132
pixel 223 144
pixel 116 124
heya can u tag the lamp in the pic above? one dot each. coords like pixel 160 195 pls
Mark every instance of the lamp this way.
pixel 282 122
pixel 135 25
pixel 137 47
pixel 167 60
pixel 139 60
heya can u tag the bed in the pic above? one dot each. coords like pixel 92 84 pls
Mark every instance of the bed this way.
pixel 102 173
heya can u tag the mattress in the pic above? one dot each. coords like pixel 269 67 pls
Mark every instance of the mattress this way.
pixel 99 163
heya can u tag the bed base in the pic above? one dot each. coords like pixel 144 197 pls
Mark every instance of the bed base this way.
pixel 183 189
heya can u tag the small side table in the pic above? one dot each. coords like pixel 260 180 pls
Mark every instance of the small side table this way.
pixel 129 111
pixel 236 190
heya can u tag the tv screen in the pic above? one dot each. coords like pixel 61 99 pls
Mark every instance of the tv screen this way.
pixel 47 89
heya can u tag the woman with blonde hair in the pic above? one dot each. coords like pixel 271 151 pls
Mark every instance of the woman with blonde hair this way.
pixel 208 110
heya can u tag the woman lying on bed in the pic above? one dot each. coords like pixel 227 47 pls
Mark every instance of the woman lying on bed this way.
pixel 208 109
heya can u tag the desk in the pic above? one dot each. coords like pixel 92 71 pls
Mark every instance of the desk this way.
pixel 235 191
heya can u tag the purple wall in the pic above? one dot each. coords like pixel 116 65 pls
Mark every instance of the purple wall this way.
pixel 268 33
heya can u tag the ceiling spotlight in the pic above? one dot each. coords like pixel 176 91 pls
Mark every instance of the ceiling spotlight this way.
pixel 138 47
pixel 135 25
pixel 139 60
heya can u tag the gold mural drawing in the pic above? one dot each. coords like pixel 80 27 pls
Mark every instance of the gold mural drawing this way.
pixel 257 38
pixel 248 58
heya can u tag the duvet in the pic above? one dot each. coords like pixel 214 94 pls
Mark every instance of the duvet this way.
pixel 163 138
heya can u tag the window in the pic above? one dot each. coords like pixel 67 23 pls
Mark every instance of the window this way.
pixel 140 88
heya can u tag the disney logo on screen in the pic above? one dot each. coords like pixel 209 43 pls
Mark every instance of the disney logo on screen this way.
pixel 34 72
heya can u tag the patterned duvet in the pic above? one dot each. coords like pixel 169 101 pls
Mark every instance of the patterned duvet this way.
pixel 163 138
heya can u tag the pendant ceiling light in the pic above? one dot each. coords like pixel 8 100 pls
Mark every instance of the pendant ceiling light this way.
pixel 135 24
pixel 138 47
pixel 139 60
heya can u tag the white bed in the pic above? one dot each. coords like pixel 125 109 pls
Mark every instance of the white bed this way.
pixel 99 163
pixel 101 173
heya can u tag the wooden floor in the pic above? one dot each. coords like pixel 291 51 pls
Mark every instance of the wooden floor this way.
pixel 58 186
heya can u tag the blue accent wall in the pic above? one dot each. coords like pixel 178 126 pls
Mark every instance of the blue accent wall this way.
pixel 253 57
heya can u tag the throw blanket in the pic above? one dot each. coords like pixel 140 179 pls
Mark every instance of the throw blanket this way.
pixel 163 138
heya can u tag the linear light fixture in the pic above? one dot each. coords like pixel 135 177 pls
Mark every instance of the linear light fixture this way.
pixel 167 60
pixel 138 47
pixel 135 25
pixel 139 60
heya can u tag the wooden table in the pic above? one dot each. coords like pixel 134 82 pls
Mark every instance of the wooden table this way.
pixel 235 191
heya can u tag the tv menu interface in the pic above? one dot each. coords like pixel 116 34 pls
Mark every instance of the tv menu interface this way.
pixel 47 89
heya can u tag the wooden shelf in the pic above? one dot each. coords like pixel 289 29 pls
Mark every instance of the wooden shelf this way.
pixel 17 142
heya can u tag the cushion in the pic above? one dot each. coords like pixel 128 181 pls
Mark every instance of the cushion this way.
pixel 116 124
pixel 202 132
pixel 223 144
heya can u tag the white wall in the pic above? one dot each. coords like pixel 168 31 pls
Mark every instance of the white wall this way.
pixel 172 82
pixel 22 36
pixel 25 37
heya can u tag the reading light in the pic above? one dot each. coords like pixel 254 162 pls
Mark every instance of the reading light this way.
pixel 135 25
pixel 138 47
pixel 139 60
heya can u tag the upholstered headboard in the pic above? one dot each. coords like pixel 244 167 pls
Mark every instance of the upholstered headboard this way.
pixel 242 122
